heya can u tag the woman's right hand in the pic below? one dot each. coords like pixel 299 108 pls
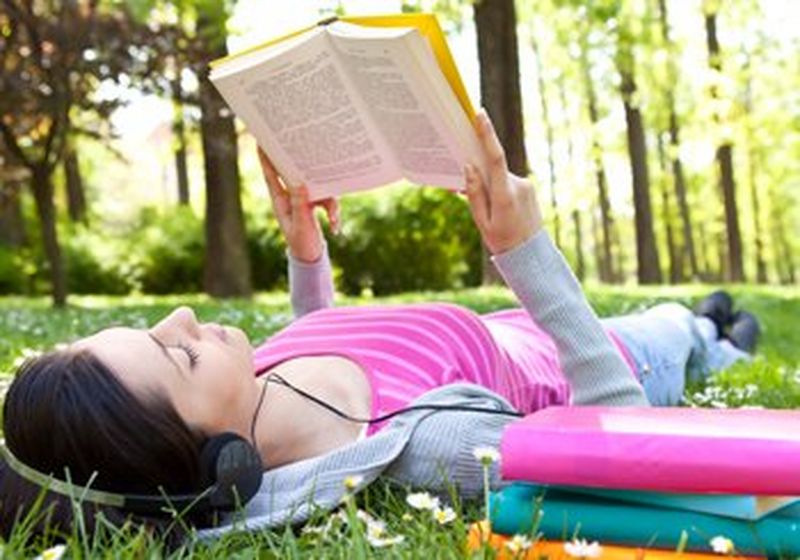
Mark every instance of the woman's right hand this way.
pixel 295 213
pixel 505 208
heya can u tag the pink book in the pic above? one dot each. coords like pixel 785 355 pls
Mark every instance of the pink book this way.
pixel 735 451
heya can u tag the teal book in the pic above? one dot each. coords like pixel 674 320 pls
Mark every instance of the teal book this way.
pixel 563 515
pixel 737 506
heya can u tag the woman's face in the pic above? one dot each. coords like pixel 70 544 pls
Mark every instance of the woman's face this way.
pixel 205 369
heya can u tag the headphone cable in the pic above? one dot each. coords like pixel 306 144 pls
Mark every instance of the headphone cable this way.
pixel 278 379
pixel 255 414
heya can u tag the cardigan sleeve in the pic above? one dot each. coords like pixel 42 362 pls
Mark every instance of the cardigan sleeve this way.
pixel 544 284
pixel 310 284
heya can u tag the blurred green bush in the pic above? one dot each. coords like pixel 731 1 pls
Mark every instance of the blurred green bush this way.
pixel 267 250
pixel 393 240
pixel 13 279
pixel 96 263
pixel 166 251
pixel 406 239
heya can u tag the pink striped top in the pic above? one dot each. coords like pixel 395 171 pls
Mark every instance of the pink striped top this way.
pixel 406 350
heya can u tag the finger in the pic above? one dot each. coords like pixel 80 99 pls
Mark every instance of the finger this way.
pixel 277 191
pixel 498 187
pixel 476 194
pixel 331 206
pixel 301 208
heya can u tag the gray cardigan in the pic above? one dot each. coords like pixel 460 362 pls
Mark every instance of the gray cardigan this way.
pixel 433 450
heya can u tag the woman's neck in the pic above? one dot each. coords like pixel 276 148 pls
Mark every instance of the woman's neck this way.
pixel 291 428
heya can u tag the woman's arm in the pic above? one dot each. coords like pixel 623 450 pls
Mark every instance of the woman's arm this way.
pixel 507 214
pixel 310 278
pixel 310 283
pixel 544 284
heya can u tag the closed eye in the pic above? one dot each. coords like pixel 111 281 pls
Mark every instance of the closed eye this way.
pixel 191 353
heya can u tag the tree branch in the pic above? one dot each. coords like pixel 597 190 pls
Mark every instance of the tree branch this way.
pixel 13 147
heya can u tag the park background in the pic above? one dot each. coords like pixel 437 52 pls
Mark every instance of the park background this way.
pixel 663 136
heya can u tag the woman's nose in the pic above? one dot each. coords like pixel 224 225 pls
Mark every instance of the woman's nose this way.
pixel 182 320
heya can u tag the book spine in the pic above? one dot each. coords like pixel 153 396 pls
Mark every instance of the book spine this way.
pixel 660 462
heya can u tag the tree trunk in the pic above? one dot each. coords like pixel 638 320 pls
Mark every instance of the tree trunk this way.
pixel 605 268
pixel 42 185
pixel 12 224
pixel 783 250
pixel 496 25
pixel 675 263
pixel 734 270
pixel 619 264
pixel 647 266
pixel 722 256
pixel 597 243
pixel 677 167
pixel 227 263
pixel 179 142
pixel 548 128
pixel 753 154
pixel 76 197
pixel 704 253
pixel 761 264
pixel 580 267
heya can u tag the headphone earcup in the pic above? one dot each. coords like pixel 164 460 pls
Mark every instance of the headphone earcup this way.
pixel 233 466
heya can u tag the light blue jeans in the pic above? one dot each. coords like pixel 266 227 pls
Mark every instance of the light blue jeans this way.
pixel 669 344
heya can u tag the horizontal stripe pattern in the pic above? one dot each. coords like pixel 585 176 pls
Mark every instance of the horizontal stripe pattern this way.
pixel 407 350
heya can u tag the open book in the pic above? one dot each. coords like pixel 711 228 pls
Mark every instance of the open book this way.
pixel 356 103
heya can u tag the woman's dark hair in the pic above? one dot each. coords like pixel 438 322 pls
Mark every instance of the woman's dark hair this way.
pixel 66 409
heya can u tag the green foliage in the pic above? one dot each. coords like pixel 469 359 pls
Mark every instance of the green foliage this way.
pixel 396 240
pixel 267 250
pixel 167 251
pixel 14 270
pixel 406 239
pixel 95 264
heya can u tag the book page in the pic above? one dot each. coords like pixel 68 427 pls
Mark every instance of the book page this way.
pixel 306 115
pixel 446 102
pixel 389 79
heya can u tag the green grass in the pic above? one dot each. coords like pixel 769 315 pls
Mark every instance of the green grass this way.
pixel 30 325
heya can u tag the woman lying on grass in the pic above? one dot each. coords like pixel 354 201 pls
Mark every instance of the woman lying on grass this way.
pixel 129 410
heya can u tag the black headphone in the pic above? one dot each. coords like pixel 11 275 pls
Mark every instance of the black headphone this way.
pixel 231 472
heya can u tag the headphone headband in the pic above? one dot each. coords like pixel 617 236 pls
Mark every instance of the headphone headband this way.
pixel 56 485
pixel 234 467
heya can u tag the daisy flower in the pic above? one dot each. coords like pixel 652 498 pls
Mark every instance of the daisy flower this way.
pixel 443 516
pixel 422 500
pixel 581 548
pixel 722 545
pixel 518 543
pixel 486 455
pixel 352 482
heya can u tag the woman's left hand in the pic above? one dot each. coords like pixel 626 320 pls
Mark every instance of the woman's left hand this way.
pixel 295 213
pixel 504 208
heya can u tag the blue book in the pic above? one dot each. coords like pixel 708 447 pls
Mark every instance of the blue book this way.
pixel 563 515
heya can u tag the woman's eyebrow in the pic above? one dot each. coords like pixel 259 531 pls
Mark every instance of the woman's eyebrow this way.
pixel 166 352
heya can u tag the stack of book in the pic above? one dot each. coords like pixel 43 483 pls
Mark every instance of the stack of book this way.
pixel 521 547
pixel 664 479
pixel 649 520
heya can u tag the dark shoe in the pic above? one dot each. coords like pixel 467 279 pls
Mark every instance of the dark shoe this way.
pixel 719 308
pixel 744 331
